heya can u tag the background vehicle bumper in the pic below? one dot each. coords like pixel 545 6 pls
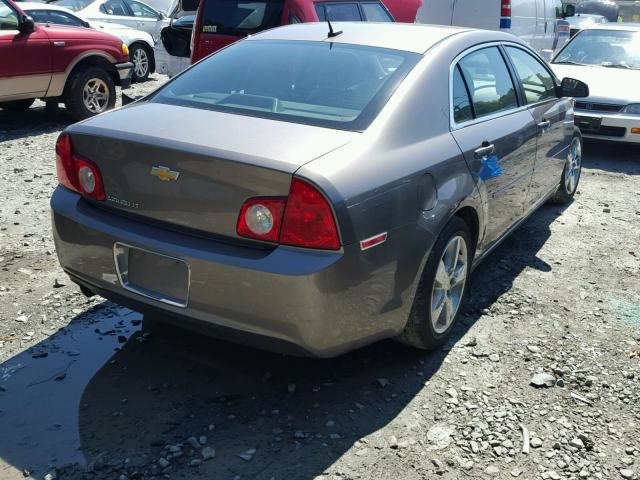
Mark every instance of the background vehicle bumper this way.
pixel 318 303
pixel 613 128
pixel 125 73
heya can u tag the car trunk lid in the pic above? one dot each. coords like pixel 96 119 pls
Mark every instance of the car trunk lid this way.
pixel 195 168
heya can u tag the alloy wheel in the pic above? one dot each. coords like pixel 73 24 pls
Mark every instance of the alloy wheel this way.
pixel 140 62
pixel 449 284
pixel 573 167
pixel 95 95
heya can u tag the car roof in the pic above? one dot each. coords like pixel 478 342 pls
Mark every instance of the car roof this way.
pixel 409 37
pixel 629 27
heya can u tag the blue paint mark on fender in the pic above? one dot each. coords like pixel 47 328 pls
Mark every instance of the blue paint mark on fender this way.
pixel 490 168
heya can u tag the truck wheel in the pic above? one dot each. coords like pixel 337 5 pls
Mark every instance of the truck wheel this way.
pixel 441 289
pixel 89 91
pixel 17 105
pixel 141 58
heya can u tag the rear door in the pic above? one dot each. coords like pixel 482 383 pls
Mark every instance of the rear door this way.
pixel 550 115
pixel 496 134
pixel 476 14
pixel 116 11
pixel 25 58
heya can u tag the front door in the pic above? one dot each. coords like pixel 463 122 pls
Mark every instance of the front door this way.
pixel 146 18
pixel 25 65
pixel 497 137
pixel 550 116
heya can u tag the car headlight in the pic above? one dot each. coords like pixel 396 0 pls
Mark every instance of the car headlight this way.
pixel 125 49
pixel 632 109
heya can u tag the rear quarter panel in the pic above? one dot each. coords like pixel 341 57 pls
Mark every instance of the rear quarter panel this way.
pixel 385 180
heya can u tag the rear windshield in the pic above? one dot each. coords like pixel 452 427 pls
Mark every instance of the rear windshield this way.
pixel 240 17
pixel 318 83
pixel 73 5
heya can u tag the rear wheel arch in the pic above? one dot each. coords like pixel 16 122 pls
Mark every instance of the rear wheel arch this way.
pixel 470 216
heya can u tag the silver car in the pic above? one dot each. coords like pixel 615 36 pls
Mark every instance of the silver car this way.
pixel 316 188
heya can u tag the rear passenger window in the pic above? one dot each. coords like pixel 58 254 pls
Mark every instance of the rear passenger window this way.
pixel 489 82
pixel 343 12
pixel 536 80
pixel 374 12
pixel 461 105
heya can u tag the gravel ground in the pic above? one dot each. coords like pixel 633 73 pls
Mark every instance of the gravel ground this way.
pixel 88 390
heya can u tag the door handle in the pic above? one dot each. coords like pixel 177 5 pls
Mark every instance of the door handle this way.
pixel 543 125
pixel 59 44
pixel 485 150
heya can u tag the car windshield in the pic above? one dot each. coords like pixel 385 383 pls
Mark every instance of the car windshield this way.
pixel 608 48
pixel 318 83
pixel 73 5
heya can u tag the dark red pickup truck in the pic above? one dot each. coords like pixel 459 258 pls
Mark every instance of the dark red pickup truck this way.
pixel 74 65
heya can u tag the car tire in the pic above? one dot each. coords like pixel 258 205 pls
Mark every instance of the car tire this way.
pixel 141 57
pixel 435 293
pixel 88 92
pixel 571 173
pixel 17 105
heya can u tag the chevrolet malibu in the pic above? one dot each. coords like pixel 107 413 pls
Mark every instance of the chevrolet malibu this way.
pixel 315 188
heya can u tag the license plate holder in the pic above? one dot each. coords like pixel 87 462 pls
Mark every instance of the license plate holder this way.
pixel 153 275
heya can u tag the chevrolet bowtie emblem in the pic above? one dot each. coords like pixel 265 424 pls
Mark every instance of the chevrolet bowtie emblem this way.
pixel 164 173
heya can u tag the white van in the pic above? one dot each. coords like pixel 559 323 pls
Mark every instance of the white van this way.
pixel 535 21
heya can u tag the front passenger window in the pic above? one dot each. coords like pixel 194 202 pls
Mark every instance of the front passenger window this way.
pixel 489 82
pixel 8 17
pixel 115 7
pixel 536 80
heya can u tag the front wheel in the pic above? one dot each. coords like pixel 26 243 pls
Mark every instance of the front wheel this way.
pixel 571 173
pixel 89 91
pixel 141 58
pixel 441 289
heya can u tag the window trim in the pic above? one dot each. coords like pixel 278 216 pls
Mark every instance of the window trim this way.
pixel 521 91
pixel 457 126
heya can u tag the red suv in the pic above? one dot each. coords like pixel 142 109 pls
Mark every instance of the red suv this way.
pixel 222 22
pixel 74 65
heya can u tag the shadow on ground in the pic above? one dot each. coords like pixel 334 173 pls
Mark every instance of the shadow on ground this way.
pixel 96 402
pixel 32 122
pixel 612 157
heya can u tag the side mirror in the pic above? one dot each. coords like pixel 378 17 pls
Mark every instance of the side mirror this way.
pixel 160 16
pixel 86 24
pixel 570 87
pixel 27 25
pixel 569 10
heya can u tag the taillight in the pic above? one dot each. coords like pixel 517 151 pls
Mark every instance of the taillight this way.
pixel 308 219
pixel 505 8
pixel 303 219
pixel 77 173
pixel 261 218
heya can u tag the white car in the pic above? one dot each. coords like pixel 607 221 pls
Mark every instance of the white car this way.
pixel 607 58
pixel 130 13
pixel 534 21
pixel 580 21
pixel 140 43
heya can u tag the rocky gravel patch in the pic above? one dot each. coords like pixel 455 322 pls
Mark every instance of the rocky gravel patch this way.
pixel 540 381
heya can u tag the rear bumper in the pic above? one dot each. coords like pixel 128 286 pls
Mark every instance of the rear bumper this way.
pixel 125 73
pixel 287 299
pixel 613 127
